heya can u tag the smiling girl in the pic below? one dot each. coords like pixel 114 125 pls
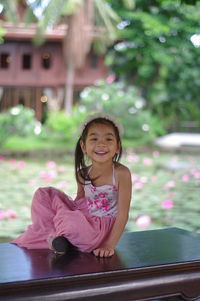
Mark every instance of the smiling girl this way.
pixel 95 220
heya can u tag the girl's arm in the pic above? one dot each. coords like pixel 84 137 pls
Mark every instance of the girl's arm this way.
pixel 124 199
pixel 80 190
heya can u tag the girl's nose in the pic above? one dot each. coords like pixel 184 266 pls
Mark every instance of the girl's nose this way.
pixel 101 142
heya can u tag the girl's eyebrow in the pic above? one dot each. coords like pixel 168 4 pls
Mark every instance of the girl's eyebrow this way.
pixel 96 134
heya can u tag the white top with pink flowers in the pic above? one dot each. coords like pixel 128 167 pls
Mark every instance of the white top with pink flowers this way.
pixel 102 200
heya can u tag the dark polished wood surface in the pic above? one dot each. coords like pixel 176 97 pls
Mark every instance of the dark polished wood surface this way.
pixel 147 265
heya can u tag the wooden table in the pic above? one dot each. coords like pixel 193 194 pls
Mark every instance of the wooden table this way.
pixel 147 265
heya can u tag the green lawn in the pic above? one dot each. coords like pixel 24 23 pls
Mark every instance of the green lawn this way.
pixel 161 197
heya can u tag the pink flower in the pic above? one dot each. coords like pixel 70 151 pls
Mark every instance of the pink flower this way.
pixel 197 175
pixel 51 164
pixel 90 203
pixel 97 203
pixel 10 213
pixel 21 164
pixel 61 168
pixel 42 174
pixel 133 158
pixel 106 208
pixel 169 185
pixel 2 214
pixel 52 173
pixel 143 221
pixel 185 178
pixel 12 161
pixel 167 204
pixel 147 161
pixel 193 171
pixel 114 188
pixel 138 185
pixel 32 182
pixel 1 158
pixel 156 154
pixel 104 202
pixel 62 184
pixel 143 179
pixel 101 195
pixel 153 179
pixel 48 175
pixel 111 78
pixel 134 177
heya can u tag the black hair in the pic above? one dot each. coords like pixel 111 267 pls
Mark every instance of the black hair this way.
pixel 81 169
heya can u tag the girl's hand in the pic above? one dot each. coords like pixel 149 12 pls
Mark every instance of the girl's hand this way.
pixel 104 252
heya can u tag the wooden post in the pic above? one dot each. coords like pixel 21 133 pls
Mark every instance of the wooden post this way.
pixel 16 97
pixel 38 105
pixel 68 99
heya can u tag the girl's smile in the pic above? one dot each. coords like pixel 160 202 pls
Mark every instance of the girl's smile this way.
pixel 101 143
pixel 100 153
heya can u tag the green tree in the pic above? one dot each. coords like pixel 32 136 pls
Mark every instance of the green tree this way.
pixel 154 52
pixel 9 12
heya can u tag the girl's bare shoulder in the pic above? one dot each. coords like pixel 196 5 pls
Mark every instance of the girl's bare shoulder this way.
pixel 122 171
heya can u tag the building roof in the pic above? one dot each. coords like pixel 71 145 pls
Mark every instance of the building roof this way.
pixel 25 32
pixel 22 31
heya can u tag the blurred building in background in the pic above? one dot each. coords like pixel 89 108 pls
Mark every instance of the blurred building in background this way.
pixel 35 76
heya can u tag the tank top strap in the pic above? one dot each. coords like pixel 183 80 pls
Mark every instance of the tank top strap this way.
pixel 113 175
pixel 89 169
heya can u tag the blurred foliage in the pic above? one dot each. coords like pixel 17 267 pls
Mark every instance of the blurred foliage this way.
pixel 154 52
pixel 126 103
pixel 2 32
pixel 65 126
pixel 19 121
pixel 37 145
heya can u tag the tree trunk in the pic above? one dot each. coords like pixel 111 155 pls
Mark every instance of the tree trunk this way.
pixel 69 88
pixel 76 46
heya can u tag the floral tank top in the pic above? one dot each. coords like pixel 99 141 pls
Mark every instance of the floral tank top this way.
pixel 102 200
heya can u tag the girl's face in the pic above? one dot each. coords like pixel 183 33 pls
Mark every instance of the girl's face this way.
pixel 101 144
